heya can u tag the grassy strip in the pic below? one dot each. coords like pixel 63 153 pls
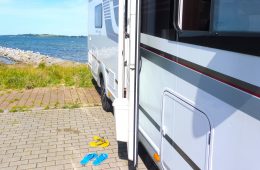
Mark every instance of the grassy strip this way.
pixel 20 109
pixel 71 106
pixel 28 76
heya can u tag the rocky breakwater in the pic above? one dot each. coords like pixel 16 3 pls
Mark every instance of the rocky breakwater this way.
pixel 30 57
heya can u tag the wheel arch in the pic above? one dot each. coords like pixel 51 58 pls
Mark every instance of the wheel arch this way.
pixel 102 74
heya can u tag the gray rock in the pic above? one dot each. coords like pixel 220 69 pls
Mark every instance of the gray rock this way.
pixel 29 57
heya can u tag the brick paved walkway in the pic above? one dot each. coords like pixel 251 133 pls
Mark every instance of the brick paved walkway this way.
pixel 53 97
pixel 57 139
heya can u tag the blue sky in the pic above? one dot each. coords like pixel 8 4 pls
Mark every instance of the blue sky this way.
pixel 60 17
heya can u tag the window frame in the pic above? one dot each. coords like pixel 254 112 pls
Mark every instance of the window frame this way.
pixel 211 32
pixel 101 16
pixel 240 40
pixel 190 33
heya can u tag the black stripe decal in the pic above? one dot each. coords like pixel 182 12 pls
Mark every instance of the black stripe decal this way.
pixel 149 117
pixel 182 154
pixel 241 85
pixel 95 58
pixel 237 98
pixel 171 142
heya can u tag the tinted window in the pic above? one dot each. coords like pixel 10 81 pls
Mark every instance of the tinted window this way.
pixel 224 24
pixel 236 16
pixel 157 18
pixel 116 15
pixel 196 15
pixel 115 3
pixel 98 16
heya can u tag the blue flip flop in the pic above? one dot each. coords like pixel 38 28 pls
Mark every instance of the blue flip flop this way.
pixel 88 158
pixel 101 158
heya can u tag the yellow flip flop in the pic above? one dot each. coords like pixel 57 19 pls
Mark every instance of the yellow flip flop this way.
pixel 99 142
pixel 97 138
pixel 105 144
pixel 95 143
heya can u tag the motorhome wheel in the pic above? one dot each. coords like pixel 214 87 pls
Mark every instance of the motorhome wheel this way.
pixel 106 102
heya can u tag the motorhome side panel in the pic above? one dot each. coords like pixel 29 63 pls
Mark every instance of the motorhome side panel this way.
pixel 198 105
pixel 103 42
pixel 234 122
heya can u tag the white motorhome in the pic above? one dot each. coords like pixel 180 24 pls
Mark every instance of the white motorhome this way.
pixel 103 47
pixel 183 76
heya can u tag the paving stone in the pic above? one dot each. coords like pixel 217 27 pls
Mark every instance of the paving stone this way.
pixel 37 160
pixel 46 98
pixel 22 153
pixel 24 97
pixel 29 157
pixel 15 100
pixel 56 167
pixel 10 168
pixel 58 139
pixel 28 166
pixel 4 165
pixel 54 97
pixel 13 159
pixel 9 99
pixel 39 97
pixel 45 164
pixel 30 102
pixel 102 166
pixel 23 162
pixel 54 158
pixel 50 97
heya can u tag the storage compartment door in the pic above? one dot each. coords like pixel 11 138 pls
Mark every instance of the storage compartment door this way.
pixel 185 135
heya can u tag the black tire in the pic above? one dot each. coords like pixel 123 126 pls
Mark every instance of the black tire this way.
pixel 106 102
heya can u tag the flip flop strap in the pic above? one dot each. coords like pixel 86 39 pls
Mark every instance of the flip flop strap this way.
pixel 101 158
pixel 101 139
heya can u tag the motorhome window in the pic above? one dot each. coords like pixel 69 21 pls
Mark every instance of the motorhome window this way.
pixel 195 15
pixel 98 16
pixel 156 18
pixel 115 3
pixel 234 25
pixel 236 16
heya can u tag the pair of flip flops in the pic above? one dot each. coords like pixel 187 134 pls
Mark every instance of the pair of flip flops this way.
pixel 99 142
pixel 98 159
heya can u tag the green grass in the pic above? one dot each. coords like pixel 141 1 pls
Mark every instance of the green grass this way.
pixel 71 106
pixel 46 108
pixel 14 100
pixel 1 111
pixel 19 109
pixel 27 76
pixel 56 105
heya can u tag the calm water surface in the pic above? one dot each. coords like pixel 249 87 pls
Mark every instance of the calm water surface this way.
pixel 65 47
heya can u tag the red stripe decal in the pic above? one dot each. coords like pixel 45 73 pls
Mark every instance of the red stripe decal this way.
pixel 206 71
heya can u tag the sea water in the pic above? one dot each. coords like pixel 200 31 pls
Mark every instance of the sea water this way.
pixel 72 48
